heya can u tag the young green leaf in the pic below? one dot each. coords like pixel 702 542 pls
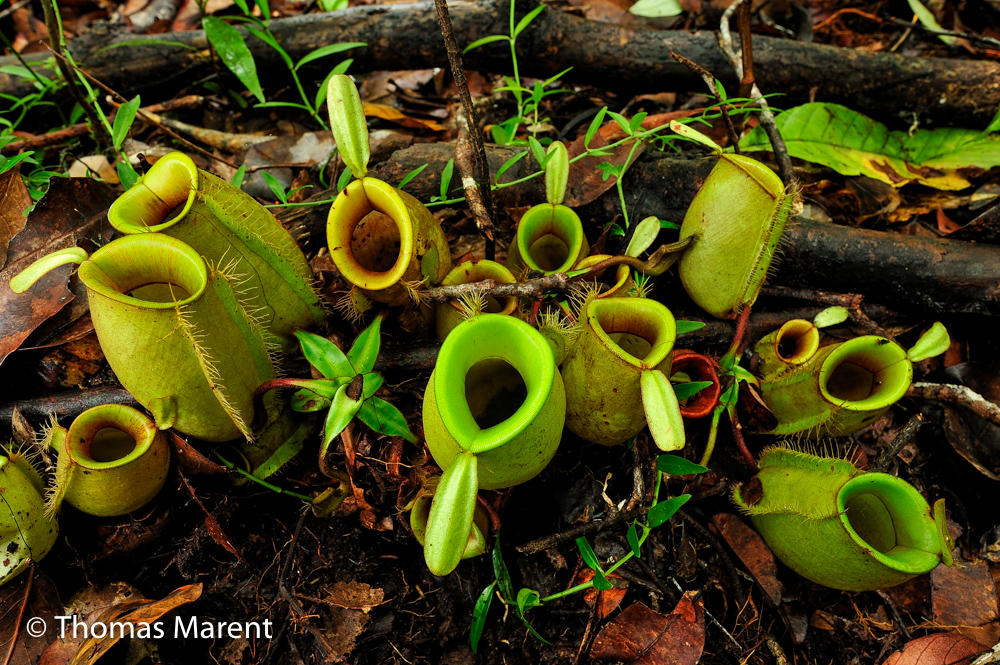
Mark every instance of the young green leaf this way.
pixel 446 173
pixel 526 20
pixel 831 316
pixel 268 38
pixel 632 536
pixel 126 173
pixel 411 175
pixel 347 120
pixel 675 465
pixel 324 355
pixel 329 49
pixel 340 68
pixel 643 236
pixel 364 351
pixel 479 613
pixel 123 121
pixel 664 510
pixel 588 555
pixel 486 40
pixel 656 8
pixel 622 122
pixel 451 514
pixel 556 173
pixel 537 151
pixel 501 574
pixel 510 162
pixel 684 327
pixel 275 187
pixel 343 408
pixel 927 19
pixel 689 389
pixel 343 179
pixel 595 125
pixel 526 599
pixel 232 49
pixel 238 176
pixel 693 134
pixel 663 414
pixel 933 342
pixel 381 416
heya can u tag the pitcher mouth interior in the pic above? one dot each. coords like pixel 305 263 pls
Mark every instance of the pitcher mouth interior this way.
pixel 109 436
pixel 148 270
pixel 468 272
pixel 550 237
pixel 797 341
pixel 608 280
pixel 162 198
pixel 891 520
pixel 641 332
pixel 865 373
pixel 370 234
pixel 491 337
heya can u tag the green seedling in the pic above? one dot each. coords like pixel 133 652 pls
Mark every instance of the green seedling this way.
pixel 348 388
pixel 659 513
pixel 839 526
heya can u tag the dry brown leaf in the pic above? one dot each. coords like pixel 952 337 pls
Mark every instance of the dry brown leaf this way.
pixel 644 637
pixel 14 203
pixel 70 208
pixel 607 600
pixel 42 601
pixel 753 552
pixel 211 524
pixel 192 461
pixel 355 596
pixel 939 649
pixel 964 594
pixel 392 114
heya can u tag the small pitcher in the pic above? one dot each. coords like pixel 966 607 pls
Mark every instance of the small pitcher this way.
pixel 493 416
pixel 27 532
pixel 112 460
pixel 549 239
pixel 842 527
pixel 449 314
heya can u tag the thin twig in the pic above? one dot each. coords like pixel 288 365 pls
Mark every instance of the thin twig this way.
pixel 960 395
pixel 766 117
pixel 20 615
pixel 293 603
pixel 709 79
pixel 903 437
pixel 475 175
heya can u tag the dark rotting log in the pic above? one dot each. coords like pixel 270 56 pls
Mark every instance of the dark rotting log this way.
pixel 601 54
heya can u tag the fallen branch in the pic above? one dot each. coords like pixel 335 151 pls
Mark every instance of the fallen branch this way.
pixel 601 54
pixel 960 395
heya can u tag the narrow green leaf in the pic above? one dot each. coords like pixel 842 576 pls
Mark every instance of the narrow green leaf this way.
pixel 622 122
pixel 265 9
pixel 689 389
pixel 994 125
pixel 693 134
pixel 123 121
pixel 927 19
pixel 451 513
pixel 636 122
pixel 675 465
pixel 933 342
pixel 656 8
pixel 556 173
pixel 324 355
pixel 479 613
pixel 329 49
pixel 343 408
pixel 684 327
pixel 537 151
pixel 595 125
pixel 238 177
pixel 588 555
pixel 266 36
pixel 275 187
pixel 411 175
pixel 643 236
pixel 632 536
pixel 510 162
pixel 831 316
pixel 344 178
pixel 347 121
pixel 126 173
pixel 527 19
pixel 446 174
pixel 663 414
pixel 664 510
pixel 364 351
pixel 332 5
pixel 526 599
pixel 501 574
pixel 601 581
pixel 383 417
pixel 232 49
pixel 483 41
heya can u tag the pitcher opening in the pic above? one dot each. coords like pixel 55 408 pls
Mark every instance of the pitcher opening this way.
pixel 865 373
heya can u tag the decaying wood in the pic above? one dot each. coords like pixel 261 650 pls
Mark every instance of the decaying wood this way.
pixel 906 272
pixel 601 54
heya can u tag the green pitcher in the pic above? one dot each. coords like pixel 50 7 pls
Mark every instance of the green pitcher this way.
pixel 232 232
pixel 178 333
pixel 493 415
pixel 842 527
pixel 381 238
pixel 623 345
pixel 840 389
pixel 449 314
pixel 549 238
pixel 27 533
pixel 794 343
pixel 112 460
